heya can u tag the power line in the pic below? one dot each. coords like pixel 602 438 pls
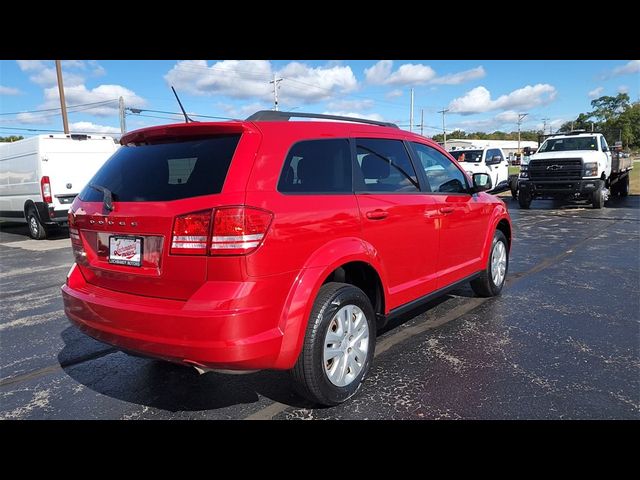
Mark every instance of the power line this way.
pixel 58 108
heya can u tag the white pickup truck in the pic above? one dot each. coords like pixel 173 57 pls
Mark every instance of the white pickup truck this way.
pixel 574 166
pixel 491 161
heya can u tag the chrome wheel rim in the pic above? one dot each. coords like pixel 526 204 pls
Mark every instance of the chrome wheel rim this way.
pixel 33 225
pixel 498 263
pixel 346 344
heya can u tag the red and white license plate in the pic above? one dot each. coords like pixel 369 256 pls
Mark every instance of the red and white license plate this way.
pixel 125 251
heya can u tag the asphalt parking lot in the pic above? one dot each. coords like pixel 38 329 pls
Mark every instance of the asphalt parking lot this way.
pixel 562 342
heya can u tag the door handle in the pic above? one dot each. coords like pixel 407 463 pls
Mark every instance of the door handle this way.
pixel 447 210
pixel 377 215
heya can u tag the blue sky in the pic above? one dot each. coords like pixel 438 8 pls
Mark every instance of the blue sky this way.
pixel 480 95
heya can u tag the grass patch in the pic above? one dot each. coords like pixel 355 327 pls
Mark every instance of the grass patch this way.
pixel 514 169
pixel 634 179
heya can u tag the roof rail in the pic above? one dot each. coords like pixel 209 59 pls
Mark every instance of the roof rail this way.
pixel 277 116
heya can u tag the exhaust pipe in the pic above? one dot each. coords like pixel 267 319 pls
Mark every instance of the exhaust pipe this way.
pixel 201 369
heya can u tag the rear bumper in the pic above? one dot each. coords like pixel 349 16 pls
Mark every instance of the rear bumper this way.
pixel 554 188
pixel 49 215
pixel 242 336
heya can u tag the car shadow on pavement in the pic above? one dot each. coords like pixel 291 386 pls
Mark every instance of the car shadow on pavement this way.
pixel 56 233
pixel 176 388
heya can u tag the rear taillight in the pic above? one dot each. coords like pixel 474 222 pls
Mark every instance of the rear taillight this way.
pixel 238 230
pixel 191 233
pixel 45 188
pixel 76 242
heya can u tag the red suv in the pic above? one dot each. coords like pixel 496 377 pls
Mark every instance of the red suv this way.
pixel 276 244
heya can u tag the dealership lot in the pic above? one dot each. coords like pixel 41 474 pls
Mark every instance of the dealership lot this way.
pixel 563 341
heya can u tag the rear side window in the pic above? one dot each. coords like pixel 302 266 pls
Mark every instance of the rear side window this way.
pixel 385 166
pixel 165 171
pixel 317 166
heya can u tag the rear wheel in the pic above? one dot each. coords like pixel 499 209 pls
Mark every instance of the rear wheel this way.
pixel 492 279
pixel 623 188
pixel 338 345
pixel 37 230
pixel 513 185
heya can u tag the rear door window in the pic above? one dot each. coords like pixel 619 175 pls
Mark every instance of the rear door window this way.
pixel 317 166
pixel 165 171
pixel 385 166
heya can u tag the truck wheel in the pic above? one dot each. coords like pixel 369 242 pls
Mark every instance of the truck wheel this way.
pixel 37 231
pixel 597 199
pixel 524 199
pixel 623 189
pixel 513 184
pixel 491 281
pixel 338 345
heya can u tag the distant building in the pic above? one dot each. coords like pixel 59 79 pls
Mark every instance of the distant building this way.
pixel 509 147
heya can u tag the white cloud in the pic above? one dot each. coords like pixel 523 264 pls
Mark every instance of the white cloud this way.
pixel 382 73
pixel 395 93
pixel 554 124
pixel 250 79
pixel 74 64
pixel 79 94
pixel 243 111
pixel 623 89
pixel 407 74
pixel 479 100
pixel 628 68
pixel 9 90
pixel 460 77
pixel 354 105
pixel 368 116
pixel 90 127
pixel 43 72
pixel 595 92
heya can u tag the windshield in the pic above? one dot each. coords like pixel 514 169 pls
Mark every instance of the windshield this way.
pixel 467 155
pixel 164 171
pixel 568 143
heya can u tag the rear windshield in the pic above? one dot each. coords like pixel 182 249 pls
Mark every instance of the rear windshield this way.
pixel 166 171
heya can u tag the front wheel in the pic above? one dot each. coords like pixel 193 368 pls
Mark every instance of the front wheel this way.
pixel 597 198
pixel 338 345
pixel 524 199
pixel 513 185
pixel 492 279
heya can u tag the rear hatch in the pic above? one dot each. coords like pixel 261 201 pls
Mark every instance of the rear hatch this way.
pixel 164 186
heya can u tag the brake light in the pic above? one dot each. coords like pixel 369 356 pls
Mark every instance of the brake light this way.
pixel 45 188
pixel 73 231
pixel 191 233
pixel 238 230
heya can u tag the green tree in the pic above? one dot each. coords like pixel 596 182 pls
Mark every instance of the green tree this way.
pixel 11 138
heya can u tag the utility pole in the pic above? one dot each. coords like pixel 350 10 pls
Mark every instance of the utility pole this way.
pixel 123 122
pixel 544 127
pixel 520 117
pixel 422 121
pixel 275 82
pixel 444 130
pixel 63 104
pixel 411 113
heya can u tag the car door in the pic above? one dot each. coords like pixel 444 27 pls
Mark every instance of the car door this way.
pixel 463 217
pixel 495 167
pixel 398 220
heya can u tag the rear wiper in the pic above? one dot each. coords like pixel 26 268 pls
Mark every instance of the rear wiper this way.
pixel 107 196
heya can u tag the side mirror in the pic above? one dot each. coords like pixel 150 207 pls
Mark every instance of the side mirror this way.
pixel 481 182
pixel 605 149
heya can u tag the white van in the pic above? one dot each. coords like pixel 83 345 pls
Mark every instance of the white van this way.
pixel 491 161
pixel 40 176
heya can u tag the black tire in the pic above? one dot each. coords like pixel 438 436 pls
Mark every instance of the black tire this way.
pixel 513 185
pixel 597 199
pixel 484 286
pixel 524 199
pixel 623 188
pixel 310 371
pixel 37 230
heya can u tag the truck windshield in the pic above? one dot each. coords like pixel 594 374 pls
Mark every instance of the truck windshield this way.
pixel 467 155
pixel 568 143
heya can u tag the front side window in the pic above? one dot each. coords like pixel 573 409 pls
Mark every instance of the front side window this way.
pixel 317 166
pixel 442 174
pixel 385 166
pixel 605 147
pixel 474 156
